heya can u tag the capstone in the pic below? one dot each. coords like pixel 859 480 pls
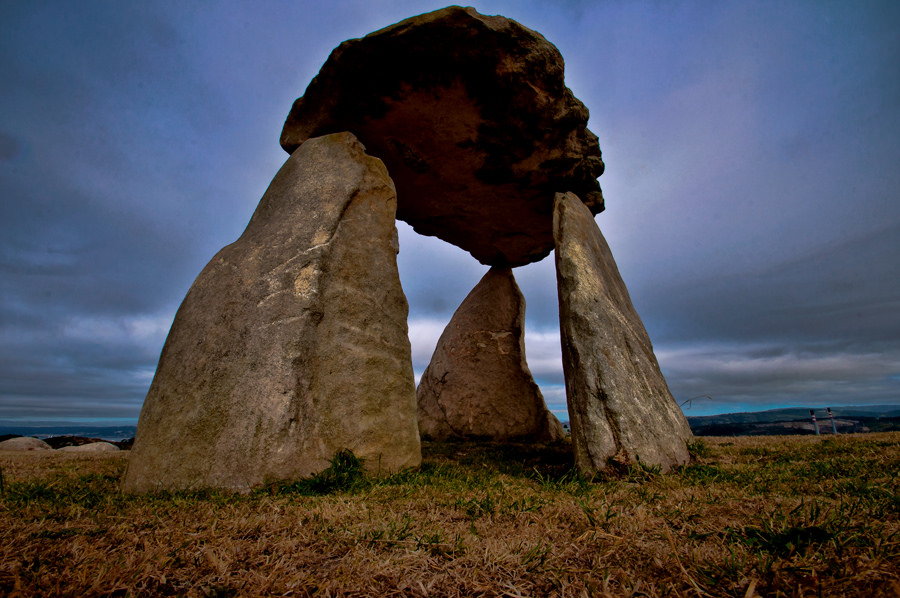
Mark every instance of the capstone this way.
pixel 471 116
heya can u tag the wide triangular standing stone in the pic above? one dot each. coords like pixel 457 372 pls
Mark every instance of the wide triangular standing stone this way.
pixel 292 343
pixel 619 404
pixel 478 384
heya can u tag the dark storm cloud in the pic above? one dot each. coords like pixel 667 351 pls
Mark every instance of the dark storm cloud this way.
pixel 751 193
pixel 76 365
pixel 102 213
pixel 84 195
pixel 819 329
pixel 738 377
pixel 135 141
pixel 751 186
pixel 845 290
pixel 436 276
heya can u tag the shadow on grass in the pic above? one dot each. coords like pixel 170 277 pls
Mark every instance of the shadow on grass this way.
pixel 510 458
pixel 455 463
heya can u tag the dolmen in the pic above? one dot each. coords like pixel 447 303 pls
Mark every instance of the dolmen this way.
pixel 292 343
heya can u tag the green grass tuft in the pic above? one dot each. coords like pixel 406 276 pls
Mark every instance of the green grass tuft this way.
pixel 346 473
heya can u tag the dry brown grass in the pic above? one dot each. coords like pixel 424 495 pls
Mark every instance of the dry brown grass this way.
pixel 752 516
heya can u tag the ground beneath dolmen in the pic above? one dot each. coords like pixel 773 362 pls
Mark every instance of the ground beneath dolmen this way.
pixel 749 516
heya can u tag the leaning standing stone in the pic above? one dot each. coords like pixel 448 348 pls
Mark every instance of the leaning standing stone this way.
pixel 478 384
pixel 292 343
pixel 619 404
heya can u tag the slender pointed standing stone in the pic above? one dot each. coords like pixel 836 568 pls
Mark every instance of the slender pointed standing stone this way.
pixel 292 343
pixel 619 404
pixel 478 384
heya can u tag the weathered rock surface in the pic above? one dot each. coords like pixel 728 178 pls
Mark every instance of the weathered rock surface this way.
pixel 478 384
pixel 619 404
pixel 473 120
pixel 292 342
pixel 24 443
pixel 93 447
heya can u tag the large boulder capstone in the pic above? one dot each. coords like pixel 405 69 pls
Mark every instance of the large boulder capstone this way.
pixel 472 118
pixel 619 404
pixel 478 384
pixel 292 343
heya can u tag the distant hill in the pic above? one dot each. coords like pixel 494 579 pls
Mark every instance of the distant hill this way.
pixel 847 420
pixel 64 429
pixel 795 420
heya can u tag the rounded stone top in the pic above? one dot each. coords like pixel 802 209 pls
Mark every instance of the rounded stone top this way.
pixel 91 447
pixel 24 443
pixel 472 118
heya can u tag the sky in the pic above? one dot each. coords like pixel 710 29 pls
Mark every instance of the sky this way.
pixel 752 154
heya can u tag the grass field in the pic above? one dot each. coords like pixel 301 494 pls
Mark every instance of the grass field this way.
pixel 791 516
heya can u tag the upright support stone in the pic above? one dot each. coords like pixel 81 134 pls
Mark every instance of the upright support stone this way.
pixel 619 404
pixel 292 343
pixel 478 384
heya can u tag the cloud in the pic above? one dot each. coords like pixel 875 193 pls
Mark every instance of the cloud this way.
pixel 841 290
pixel 555 398
pixel 83 366
pixel 544 354
pixel 719 376
pixel 751 185
pixel 138 330
pixel 435 275
pixel 423 337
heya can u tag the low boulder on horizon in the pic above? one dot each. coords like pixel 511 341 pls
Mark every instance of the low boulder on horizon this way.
pixel 93 447
pixel 24 443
